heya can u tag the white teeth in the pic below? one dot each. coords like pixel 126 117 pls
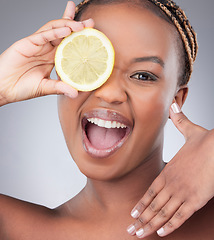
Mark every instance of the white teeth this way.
pixel 106 124
pixel 114 124
pixel 101 123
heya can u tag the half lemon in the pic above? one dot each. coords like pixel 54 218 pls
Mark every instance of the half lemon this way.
pixel 85 59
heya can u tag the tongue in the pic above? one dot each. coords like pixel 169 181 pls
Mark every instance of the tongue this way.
pixel 102 138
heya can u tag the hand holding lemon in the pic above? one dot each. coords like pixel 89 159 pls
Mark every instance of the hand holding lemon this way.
pixel 26 66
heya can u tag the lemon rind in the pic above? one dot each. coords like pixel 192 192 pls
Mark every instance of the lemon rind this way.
pixel 110 62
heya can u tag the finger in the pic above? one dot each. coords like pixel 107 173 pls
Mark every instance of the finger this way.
pixel 56 42
pixel 180 216
pixel 88 23
pixel 69 12
pixel 160 219
pixel 50 86
pixel 52 36
pixel 179 119
pixel 148 197
pixel 182 123
pixel 42 38
pixel 155 207
pixel 32 45
pixel 73 25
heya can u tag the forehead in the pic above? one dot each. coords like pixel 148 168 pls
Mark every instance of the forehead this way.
pixel 133 30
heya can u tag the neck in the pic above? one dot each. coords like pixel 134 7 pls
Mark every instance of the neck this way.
pixel 123 193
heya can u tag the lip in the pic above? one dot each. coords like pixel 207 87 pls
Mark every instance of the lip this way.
pixel 107 115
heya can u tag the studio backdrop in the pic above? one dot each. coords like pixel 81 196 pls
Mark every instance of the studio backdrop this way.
pixel 35 164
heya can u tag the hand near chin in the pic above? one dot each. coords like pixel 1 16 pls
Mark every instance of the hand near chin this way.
pixel 26 66
pixel 184 186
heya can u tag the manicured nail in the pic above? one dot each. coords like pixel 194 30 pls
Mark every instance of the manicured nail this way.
pixel 175 108
pixel 66 90
pixel 131 229
pixel 140 232
pixel 69 95
pixel 160 232
pixel 135 213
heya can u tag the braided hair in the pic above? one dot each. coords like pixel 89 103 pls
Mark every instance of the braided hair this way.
pixel 174 15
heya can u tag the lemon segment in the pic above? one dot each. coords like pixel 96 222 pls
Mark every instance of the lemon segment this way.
pixel 85 59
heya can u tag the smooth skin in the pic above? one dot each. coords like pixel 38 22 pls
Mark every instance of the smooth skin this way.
pixel 174 196
pixel 40 47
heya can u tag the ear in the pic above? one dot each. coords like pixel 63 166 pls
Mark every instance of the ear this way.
pixel 181 95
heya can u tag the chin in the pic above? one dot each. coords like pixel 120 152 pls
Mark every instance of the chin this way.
pixel 116 166
pixel 104 169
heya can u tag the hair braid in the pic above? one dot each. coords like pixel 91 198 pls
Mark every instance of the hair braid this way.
pixel 188 35
pixel 180 21
pixel 81 5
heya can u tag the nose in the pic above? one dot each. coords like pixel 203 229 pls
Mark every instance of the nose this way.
pixel 113 90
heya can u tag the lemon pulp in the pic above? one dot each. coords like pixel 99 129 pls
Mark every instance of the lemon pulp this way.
pixel 85 59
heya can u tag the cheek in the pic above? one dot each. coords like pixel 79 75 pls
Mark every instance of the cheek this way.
pixel 151 105
pixel 150 121
pixel 150 117
pixel 65 117
pixel 151 110
pixel 69 111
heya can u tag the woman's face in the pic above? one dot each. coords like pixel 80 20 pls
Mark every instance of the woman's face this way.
pixel 136 98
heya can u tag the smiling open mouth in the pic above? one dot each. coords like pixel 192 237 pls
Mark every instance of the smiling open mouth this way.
pixel 102 138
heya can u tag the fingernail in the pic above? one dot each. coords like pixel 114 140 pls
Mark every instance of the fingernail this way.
pixel 131 229
pixel 135 213
pixel 175 108
pixel 140 232
pixel 69 95
pixel 160 232
pixel 64 88
pixel 83 24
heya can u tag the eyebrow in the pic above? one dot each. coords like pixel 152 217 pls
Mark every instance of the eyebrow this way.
pixel 154 59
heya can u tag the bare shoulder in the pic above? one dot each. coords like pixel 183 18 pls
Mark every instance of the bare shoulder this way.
pixel 12 206
pixel 17 215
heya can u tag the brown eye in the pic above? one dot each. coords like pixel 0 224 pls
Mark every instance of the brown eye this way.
pixel 143 76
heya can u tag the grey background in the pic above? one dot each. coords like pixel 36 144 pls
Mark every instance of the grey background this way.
pixel 34 162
